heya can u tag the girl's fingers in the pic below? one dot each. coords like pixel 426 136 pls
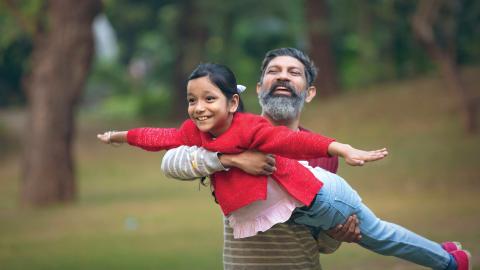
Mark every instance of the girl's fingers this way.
pixel 102 137
pixel 358 162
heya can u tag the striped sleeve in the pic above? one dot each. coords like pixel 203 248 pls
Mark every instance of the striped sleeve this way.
pixel 284 246
pixel 326 244
pixel 190 162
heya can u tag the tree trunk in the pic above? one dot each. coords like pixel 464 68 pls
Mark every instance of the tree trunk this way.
pixel 60 62
pixel 423 20
pixel 320 47
pixel 192 34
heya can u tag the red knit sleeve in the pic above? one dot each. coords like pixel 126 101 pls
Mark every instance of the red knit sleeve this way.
pixel 156 139
pixel 328 163
pixel 282 141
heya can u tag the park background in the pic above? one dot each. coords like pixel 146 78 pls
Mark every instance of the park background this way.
pixel 402 74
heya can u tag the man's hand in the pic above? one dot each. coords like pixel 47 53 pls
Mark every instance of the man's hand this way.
pixel 252 162
pixel 348 232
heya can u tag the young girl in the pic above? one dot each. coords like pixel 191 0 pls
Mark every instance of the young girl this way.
pixel 310 196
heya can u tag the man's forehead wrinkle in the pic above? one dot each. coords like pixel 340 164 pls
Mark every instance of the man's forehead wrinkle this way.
pixel 289 66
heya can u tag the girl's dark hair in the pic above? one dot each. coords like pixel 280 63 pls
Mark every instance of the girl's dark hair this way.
pixel 222 77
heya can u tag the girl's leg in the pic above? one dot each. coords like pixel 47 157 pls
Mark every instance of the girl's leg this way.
pixel 391 239
pixel 337 200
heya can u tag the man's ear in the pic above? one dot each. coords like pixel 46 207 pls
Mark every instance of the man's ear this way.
pixel 234 103
pixel 311 92
pixel 258 88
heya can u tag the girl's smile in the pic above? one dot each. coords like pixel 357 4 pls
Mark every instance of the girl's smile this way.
pixel 208 107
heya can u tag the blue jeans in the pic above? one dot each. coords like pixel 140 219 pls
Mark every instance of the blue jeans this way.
pixel 336 201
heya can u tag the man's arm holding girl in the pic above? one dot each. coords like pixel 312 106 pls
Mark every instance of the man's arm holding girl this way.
pixel 188 163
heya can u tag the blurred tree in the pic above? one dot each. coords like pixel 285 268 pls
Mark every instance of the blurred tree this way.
pixel 320 46
pixel 192 34
pixel 62 53
pixel 441 47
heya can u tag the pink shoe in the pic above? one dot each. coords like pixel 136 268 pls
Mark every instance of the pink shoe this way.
pixel 462 258
pixel 451 246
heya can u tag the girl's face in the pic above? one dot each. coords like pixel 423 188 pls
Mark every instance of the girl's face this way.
pixel 208 107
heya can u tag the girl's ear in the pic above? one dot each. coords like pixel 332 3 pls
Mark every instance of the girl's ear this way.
pixel 233 104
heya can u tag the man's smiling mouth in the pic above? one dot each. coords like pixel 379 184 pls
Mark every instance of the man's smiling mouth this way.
pixel 280 90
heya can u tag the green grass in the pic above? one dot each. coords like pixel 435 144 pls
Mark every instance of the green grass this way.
pixel 128 216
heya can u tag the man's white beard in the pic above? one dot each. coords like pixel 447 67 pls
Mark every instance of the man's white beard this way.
pixel 282 108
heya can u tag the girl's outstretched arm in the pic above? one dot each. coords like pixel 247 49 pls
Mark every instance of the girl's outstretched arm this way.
pixel 155 139
pixel 282 141
pixel 353 156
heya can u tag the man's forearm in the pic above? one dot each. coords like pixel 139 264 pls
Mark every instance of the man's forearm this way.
pixel 190 162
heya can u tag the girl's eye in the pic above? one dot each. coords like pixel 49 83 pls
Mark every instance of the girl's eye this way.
pixel 210 98
pixel 191 101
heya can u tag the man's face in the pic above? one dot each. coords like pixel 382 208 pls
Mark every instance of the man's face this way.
pixel 283 89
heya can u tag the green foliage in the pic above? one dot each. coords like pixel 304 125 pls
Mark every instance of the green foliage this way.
pixel 7 143
pixel 154 105
pixel 468 32
pixel 372 41
pixel 13 64
pixel 16 28
pixel 120 107
pixel 114 94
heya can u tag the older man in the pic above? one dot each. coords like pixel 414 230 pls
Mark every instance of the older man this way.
pixel 285 85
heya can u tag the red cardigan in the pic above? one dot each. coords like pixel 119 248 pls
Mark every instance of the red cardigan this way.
pixel 235 188
pixel 329 163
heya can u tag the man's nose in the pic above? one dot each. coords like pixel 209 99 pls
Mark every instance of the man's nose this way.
pixel 283 76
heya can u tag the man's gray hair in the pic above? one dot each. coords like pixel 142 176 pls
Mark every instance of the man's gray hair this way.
pixel 310 69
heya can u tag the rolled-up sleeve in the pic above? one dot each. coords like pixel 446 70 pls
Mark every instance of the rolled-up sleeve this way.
pixel 190 162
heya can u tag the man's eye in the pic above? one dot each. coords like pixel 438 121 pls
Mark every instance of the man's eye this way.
pixel 272 71
pixel 296 73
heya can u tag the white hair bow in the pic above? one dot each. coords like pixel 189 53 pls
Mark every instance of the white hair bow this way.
pixel 241 88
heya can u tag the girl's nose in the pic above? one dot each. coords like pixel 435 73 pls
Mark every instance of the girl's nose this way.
pixel 200 107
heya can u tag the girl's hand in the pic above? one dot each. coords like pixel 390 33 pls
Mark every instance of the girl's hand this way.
pixel 105 137
pixel 356 157
pixel 113 137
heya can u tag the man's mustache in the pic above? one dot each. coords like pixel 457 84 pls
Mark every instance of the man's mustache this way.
pixel 285 85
